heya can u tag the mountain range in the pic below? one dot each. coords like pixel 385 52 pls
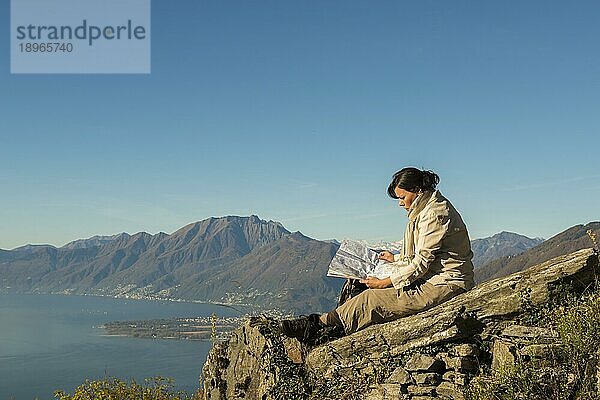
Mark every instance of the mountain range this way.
pixel 229 260
pixel 232 260
pixel 502 244
pixel 568 241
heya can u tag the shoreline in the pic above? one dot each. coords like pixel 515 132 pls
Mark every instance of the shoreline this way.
pixel 124 297
pixel 244 309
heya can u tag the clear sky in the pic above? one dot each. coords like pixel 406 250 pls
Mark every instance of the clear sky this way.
pixel 300 112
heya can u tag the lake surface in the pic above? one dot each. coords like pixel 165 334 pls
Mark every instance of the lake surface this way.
pixel 54 342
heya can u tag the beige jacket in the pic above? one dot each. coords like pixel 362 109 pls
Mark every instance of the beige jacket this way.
pixel 436 246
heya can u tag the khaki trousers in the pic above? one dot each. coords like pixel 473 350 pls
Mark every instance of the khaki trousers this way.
pixel 375 306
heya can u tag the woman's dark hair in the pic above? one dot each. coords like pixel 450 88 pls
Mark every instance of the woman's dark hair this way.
pixel 413 180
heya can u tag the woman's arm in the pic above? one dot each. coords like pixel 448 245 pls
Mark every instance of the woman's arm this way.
pixel 374 283
pixel 432 229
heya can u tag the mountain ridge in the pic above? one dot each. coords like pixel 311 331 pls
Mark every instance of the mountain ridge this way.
pixel 231 259
pixel 175 266
pixel 500 245
pixel 570 240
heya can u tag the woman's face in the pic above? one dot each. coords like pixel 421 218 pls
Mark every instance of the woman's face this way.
pixel 405 198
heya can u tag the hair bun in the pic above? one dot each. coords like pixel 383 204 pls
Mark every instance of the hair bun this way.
pixel 429 180
pixel 413 180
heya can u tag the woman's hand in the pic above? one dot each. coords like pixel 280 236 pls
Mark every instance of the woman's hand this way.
pixel 374 283
pixel 386 256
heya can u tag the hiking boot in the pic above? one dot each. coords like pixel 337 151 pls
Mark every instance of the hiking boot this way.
pixel 327 333
pixel 304 328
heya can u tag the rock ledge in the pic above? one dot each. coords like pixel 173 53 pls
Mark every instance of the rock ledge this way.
pixel 429 355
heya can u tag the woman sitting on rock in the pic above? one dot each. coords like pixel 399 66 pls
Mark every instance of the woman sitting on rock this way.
pixel 434 266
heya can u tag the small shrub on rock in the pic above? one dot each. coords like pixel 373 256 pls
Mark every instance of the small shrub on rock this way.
pixel 114 389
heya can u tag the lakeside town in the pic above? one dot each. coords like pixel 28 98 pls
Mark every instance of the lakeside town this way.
pixel 197 328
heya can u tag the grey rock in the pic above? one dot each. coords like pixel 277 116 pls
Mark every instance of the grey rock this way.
pixel 464 350
pixel 529 332
pixel 455 377
pixel 401 376
pixel 417 390
pixel 450 390
pixel 293 349
pixel 385 391
pixel 253 363
pixel 428 379
pixel 461 364
pixel 504 355
pixel 422 362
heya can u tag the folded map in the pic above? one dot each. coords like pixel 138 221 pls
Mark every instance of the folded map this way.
pixel 357 260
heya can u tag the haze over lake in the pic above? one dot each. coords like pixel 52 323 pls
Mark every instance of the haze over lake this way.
pixel 54 342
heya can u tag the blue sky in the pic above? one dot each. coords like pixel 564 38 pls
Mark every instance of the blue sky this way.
pixel 300 112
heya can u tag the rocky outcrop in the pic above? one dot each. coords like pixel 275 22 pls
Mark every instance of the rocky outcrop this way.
pixel 432 354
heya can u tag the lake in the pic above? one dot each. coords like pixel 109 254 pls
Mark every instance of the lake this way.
pixel 54 342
